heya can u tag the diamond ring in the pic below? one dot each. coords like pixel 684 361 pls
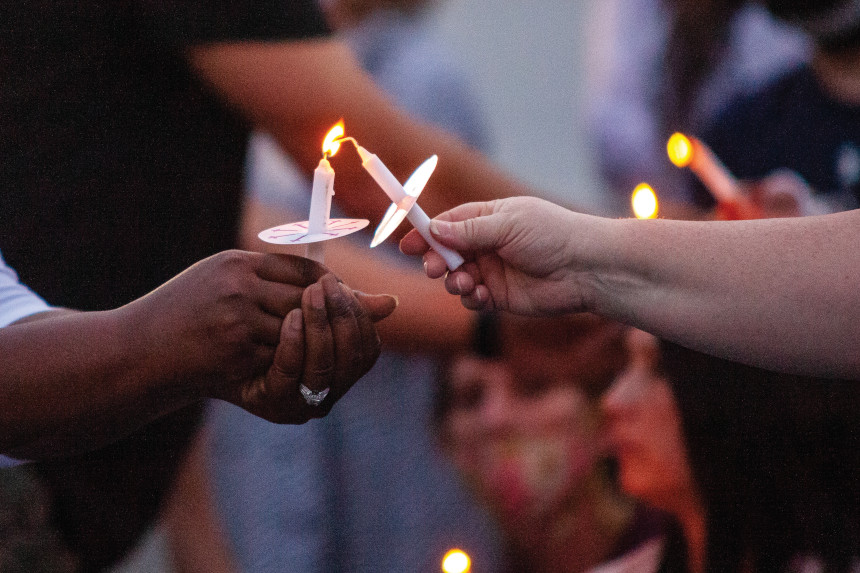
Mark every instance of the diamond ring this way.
pixel 311 397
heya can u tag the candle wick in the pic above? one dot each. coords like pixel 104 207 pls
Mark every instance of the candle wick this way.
pixel 349 139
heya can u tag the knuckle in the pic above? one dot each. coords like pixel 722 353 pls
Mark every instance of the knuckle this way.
pixel 307 270
pixel 341 305
pixel 232 293
pixel 229 319
pixel 235 332
pixel 469 228
pixel 317 321
pixel 283 374
pixel 255 397
pixel 235 259
pixel 234 288
pixel 323 372
pixel 451 284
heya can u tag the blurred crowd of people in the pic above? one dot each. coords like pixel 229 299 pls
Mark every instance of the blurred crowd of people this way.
pixel 138 139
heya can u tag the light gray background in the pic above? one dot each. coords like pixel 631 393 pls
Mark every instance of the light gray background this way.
pixel 528 63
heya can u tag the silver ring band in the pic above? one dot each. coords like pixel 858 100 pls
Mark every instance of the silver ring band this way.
pixel 311 397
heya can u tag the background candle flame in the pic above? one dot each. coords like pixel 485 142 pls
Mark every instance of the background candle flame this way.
pixel 456 561
pixel 680 149
pixel 644 202
pixel 330 143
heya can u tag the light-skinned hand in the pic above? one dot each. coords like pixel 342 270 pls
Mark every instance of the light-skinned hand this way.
pixel 519 255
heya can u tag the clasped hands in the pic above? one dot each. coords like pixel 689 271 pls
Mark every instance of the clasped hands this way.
pixel 249 328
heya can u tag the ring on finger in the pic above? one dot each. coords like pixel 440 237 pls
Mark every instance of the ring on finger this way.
pixel 311 397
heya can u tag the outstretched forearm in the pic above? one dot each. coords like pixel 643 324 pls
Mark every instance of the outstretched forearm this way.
pixel 779 293
pixel 776 293
pixel 76 381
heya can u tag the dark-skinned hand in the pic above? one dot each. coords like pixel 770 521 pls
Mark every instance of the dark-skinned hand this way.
pixel 221 324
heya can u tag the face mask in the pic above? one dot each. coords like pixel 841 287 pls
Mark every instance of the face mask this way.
pixel 528 477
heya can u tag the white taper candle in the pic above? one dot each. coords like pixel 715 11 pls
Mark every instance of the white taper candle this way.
pixel 323 189
pixel 419 219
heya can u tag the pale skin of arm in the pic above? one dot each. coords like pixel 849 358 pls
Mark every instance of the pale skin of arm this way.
pixel 241 327
pixel 298 90
pixel 777 293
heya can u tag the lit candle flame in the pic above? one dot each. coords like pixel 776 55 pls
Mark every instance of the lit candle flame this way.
pixel 644 202
pixel 680 149
pixel 456 561
pixel 331 143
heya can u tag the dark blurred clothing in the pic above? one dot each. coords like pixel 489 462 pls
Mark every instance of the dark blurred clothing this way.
pixel 793 123
pixel 641 548
pixel 775 459
pixel 28 543
pixel 630 82
pixel 119 169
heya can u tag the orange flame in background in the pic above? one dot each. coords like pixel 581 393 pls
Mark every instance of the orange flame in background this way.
pixel 456 561
pixel 680 149
pixel 331 144
pixel 644 202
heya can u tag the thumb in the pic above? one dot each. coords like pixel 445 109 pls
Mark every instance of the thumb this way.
pixel 474 234
pixel 378 306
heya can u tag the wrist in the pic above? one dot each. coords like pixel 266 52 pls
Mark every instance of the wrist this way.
pixel 583 258
pixel 596 261
pixel 627 270
pixel 151 356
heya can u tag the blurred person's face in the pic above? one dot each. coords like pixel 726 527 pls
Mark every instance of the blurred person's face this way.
pixel 523 434
pixel 644 428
